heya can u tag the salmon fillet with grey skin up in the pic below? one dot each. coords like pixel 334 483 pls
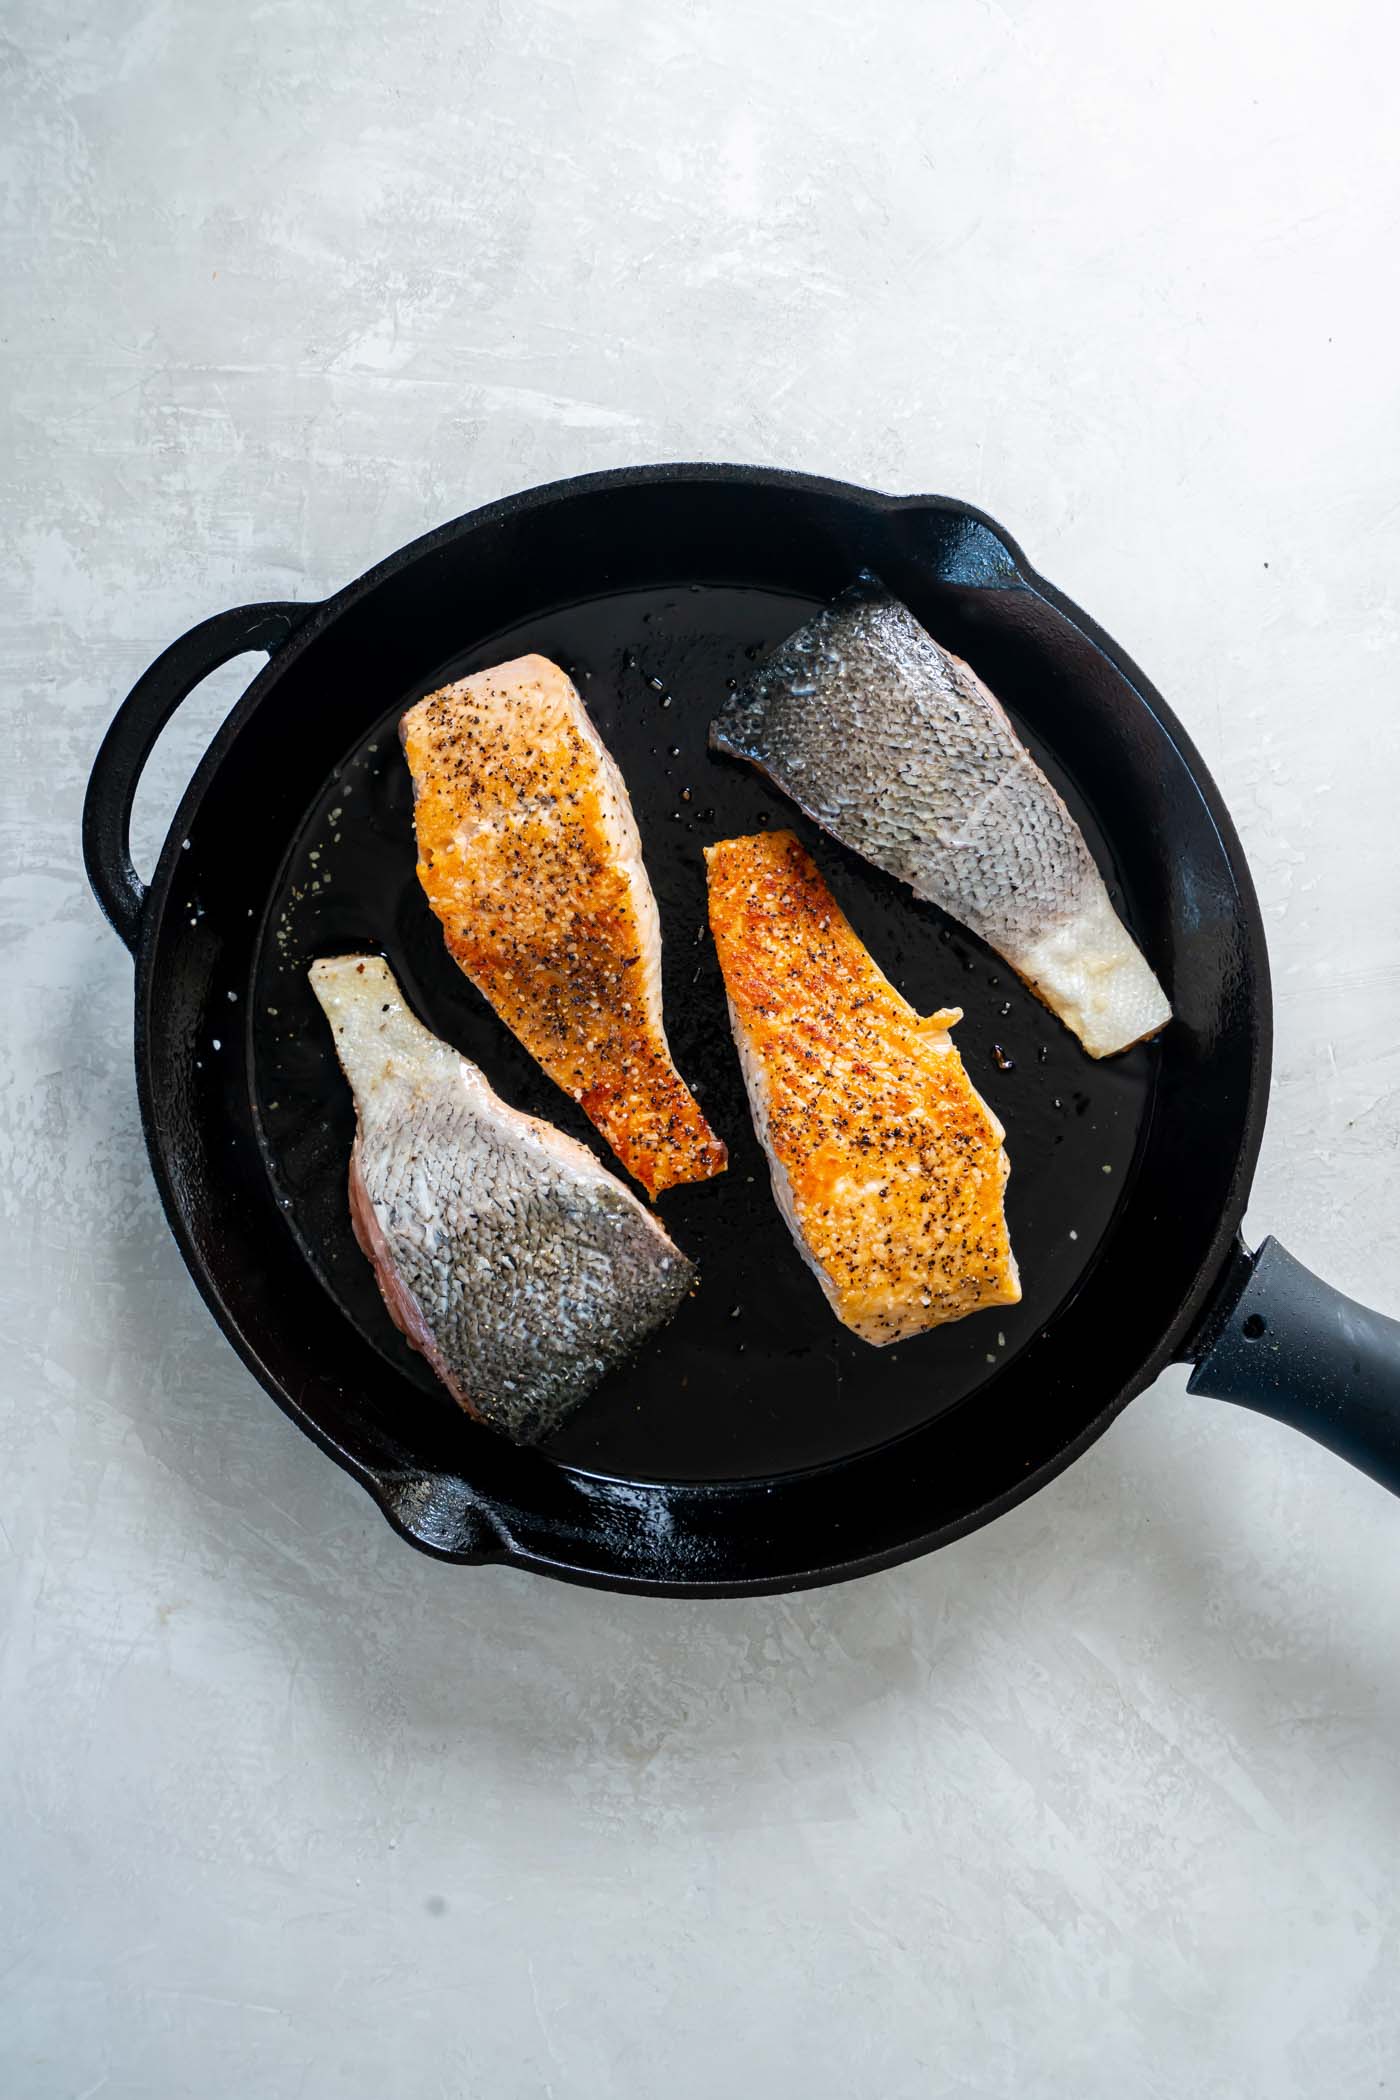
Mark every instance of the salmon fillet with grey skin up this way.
pixel 529 854
pixel 898 749
pixel 887 1164
pixel 518 1265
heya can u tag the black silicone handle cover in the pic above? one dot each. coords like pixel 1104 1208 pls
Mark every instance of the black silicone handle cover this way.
pixel 1290 1346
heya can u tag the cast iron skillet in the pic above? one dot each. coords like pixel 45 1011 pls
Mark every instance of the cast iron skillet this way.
pixel 755 1445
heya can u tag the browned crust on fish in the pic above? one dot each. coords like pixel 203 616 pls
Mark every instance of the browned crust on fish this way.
pixel 888 1164
pixel 521 858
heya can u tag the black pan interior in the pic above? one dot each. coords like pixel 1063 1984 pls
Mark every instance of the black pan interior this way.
pixel 755 1376
pixel 754 1444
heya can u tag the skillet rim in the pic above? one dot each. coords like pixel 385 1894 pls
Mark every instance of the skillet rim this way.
pixel 497 1544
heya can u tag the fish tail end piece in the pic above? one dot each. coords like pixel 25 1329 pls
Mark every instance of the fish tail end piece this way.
pixel 1089 971
pixel 667 1143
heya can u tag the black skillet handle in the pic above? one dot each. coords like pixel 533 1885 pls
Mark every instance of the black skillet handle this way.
pixel 1286 1344
pixel 138 722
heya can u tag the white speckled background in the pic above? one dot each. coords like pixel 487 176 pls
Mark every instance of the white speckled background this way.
pixel 1103 1801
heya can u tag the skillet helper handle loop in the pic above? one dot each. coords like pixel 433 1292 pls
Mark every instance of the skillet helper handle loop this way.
pixel 1292 1347
pixel 129 741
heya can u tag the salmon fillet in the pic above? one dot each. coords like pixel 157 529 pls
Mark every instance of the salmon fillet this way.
pixel 887 1164
pixel 519 1266
pixel 528 852
pixel 897 748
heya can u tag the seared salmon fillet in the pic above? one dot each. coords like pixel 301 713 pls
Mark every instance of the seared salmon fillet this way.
pixel 887 1163
pixel 520 1267
pixel 529 854
pixel 899 750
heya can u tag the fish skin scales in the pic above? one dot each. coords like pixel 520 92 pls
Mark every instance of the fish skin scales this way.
pixel 516 1263
pixel 897 748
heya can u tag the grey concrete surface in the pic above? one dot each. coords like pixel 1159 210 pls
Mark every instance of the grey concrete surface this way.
pixel 1103 1801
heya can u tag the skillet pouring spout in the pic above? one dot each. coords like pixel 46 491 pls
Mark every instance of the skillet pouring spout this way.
pixel 1283 1342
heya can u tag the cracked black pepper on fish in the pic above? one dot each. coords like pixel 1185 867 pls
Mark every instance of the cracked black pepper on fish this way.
pixel 529 854
pixel 887 1164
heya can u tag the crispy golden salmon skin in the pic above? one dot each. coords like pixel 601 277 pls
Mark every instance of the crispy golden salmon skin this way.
pixel 887 1164
pixel 899 750
pixel 520 1267
pixel 529 854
